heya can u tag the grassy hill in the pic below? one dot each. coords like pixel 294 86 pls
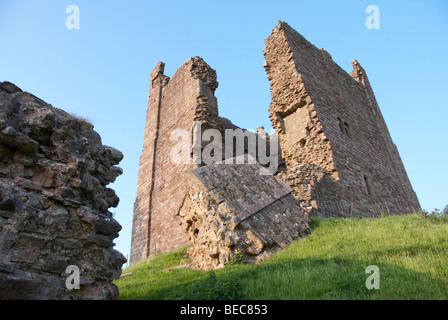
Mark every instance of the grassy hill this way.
pixel 411 253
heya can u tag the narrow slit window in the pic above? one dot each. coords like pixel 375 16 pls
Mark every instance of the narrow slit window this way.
pixel 367 183
pixel 346 128
pixel 343 126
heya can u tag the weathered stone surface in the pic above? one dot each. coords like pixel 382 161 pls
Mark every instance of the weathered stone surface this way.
pixel 54 202
pixel 9 87
pixel 172 104
pixel 336 155
pixel 231 209
pixel 340 158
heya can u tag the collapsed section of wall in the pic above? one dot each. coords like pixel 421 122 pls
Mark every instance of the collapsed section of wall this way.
pixel 336 152
pixel 231 210
pixel 183 104
pixel 340 158
pixel 54 203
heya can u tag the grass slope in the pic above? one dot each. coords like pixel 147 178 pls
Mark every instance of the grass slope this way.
pixel 411 253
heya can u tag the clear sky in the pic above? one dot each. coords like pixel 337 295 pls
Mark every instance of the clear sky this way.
pixel 101 70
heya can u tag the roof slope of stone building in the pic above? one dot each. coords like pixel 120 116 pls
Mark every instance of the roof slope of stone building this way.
pixel 233 209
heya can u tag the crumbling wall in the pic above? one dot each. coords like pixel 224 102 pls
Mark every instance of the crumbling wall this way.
pixel 54 202
pixel 186 102
pixel 174 103
pixel 231 210
pixel 336 152
pixel 340 158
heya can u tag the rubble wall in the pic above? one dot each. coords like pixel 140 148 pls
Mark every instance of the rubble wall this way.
pixel 54 202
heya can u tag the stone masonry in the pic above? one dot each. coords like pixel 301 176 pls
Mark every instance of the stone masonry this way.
pixel 54 203
pixel 172 104
pixel 177 103
pixel 336 155
pixel 232 210
pixel 340 158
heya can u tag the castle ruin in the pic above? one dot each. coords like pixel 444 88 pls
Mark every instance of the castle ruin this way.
pixel 336 159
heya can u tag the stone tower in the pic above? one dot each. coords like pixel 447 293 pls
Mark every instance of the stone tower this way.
pixel 172 104
pixel 337 157
pixel 340 158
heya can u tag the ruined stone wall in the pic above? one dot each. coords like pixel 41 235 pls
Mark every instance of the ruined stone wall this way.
pixel 172 104
pixel 336 151
pixel 231 210
pixel 54 202
pixel 184 102
pixel 340 157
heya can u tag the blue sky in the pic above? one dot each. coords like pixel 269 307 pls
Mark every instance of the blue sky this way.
pixel 102 69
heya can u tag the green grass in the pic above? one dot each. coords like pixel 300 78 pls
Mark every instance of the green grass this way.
pixel 411 253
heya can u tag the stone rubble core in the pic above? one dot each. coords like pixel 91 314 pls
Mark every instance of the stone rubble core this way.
pixel 336 154
pixel 231 209
pixel 54 202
